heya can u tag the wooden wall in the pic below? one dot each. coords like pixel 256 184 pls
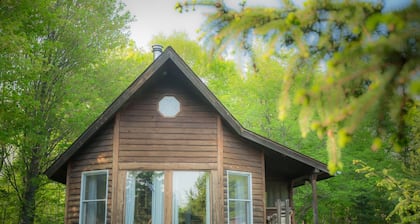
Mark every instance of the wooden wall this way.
pixel 195 139
pixel 147 139
pixel 97 155
pixel 239 155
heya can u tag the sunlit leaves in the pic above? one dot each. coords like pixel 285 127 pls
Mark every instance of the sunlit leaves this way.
pixel 46 47
pixel 371 59
pixel 363 63
pixel 404 190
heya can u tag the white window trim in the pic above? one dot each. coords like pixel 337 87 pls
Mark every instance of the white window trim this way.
pixel 249 175
pixel 82 191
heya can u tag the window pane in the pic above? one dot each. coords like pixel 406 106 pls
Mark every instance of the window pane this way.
pixel 239 212
pixel 169 106
pixel 95 187
pixel 144 197
pixel 191 197
pixel 238 186
pixel 94 212
pixel 239 198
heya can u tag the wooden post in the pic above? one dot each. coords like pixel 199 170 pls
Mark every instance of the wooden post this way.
pixel 314 198
pixel 264 185
pixel 287 211
pixel 67 199
pixel 168 196
pixel 115 159
pixel 278 205
pixel 219 202
pixel 292 204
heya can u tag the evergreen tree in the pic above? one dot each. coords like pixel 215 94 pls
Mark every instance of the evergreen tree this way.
pixel 367 58
pixel 362 66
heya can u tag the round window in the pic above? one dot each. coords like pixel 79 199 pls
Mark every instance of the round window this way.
pixel 169 106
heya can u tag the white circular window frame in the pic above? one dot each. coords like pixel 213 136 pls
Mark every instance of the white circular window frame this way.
pixel 169 106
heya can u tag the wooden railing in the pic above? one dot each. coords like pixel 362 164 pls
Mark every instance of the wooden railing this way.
pixel 281 214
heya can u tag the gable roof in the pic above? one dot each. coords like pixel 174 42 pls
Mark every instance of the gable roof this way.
pixel 169 58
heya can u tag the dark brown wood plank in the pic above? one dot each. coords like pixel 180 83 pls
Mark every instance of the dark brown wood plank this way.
pixel 167 166
pixel 190 142
pixel 175 130
pixel 167 136
pixel 168 154
pixel 151 124
pixel 156 159
pixel 184 148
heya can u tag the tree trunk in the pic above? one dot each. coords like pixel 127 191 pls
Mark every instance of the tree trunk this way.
pixel 31 186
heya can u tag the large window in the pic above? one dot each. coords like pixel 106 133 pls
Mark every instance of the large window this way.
pixel 191 198
pixel 93 197
pixel 239 197
pixel 145 198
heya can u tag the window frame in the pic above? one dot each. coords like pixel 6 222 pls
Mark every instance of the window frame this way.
pixel 83 190
pixel 249 176
pixel 208 208
pixel 164 113
pixel 136 172
pixel 169 189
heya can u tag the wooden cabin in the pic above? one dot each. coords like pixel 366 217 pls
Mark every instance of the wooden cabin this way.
pixel 167 151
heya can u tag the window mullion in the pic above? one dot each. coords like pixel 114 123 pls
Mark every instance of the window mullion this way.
pixel 168 197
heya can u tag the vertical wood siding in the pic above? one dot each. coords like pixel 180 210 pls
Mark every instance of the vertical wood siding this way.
pixel 96 155
pixel 243 156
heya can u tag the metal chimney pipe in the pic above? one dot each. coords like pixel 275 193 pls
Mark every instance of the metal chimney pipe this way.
pixel 157 50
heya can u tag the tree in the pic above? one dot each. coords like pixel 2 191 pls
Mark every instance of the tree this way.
pixel 196 201
pixel 363 65
pixel 368 58
pixel 44 44
pixel 257 92
pixel 215 72
pixel 404 184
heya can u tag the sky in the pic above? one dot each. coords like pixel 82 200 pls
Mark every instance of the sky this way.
pixel 155 17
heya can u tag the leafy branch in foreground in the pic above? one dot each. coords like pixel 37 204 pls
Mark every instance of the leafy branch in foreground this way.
pixel 364 59
pixel 406 191
pixel 403 186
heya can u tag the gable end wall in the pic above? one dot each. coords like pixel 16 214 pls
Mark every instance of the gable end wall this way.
pixel 147 139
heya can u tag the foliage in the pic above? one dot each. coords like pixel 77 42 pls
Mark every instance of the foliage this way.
pixel 368 58
pixel 221 76
pixel 404 184
pixel 349 197
pixel 361 65
pixel 47 49
pixel 258 93
pixel 404 190
pixel 212 71
pixel 197 200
